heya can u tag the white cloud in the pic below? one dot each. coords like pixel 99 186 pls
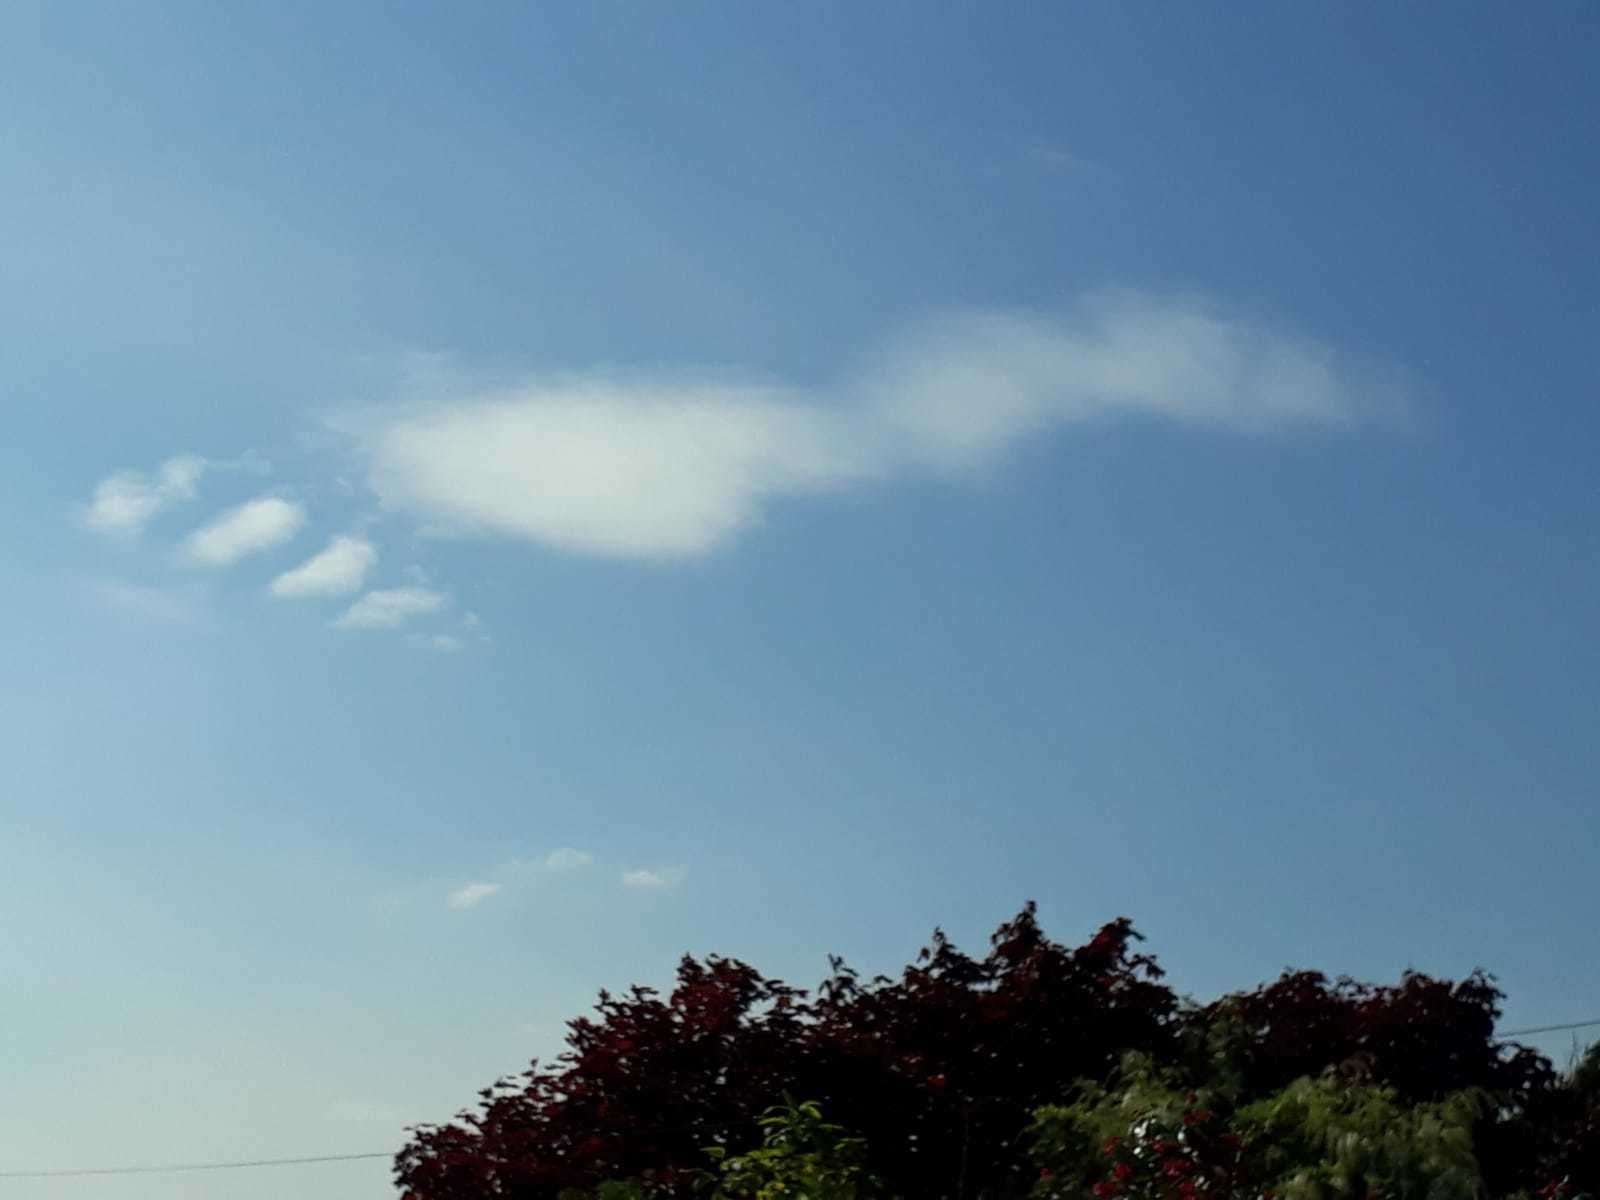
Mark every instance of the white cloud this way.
pixel 651 472
pixel 471 895
pixel 439 643
pixel 335 571
pixel 567 859
pixel 391 608
pixel 962 391
pixel 124 503
pixel 257 525
pixel 657 879
pixel 630 468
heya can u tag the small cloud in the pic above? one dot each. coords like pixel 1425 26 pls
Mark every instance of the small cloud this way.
pixel 1064 161
pixel 471 895
pixel 567 859
pixel 439 643
pixel 657 879
pixel 257 525
pixel 471 620
pixel 124 503
pixel 336 571
pixel 391 608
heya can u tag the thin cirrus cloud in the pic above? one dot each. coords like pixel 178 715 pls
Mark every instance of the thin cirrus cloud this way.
pixel 125 502
pixel 338 570
pixel 658 470
pixel 656 879
pixel 439 643
pixel 252 527
pixel 567 859
pixel 391 608
pixel 471 895
pixel 518 874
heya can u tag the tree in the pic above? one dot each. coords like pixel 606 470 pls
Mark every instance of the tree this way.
pixel 801 1155
pixel 644 1086
pixel 1330 1138
pixel 1424 1037
pixel 941 1071
pixel 938 1070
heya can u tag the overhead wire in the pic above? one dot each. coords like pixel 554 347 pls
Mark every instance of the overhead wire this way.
pixel 174 1168
pixel 1511 1033
pixel 241 1164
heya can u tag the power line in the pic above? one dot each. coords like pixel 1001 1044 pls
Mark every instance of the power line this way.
pixel 1547 1029
pixel 173 1168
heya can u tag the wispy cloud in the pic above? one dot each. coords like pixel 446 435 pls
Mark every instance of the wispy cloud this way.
pixel 124 503
pixel 658 468
pixel 1057 158
pixel 631 467
pixel 439 643
pixel 515 875
pixel 962 392
pixel 471 895
pixel 252 527
pixel 391 608
pixel 336 571
pixel 654 879
pixel 567 859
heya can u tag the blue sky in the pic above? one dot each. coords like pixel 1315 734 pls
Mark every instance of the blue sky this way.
pixel 498 497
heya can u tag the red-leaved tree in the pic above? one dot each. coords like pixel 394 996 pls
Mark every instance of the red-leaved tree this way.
pixel 941 1069
pixel 938 1070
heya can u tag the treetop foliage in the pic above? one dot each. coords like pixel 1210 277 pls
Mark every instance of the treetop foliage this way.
pixel 955 1077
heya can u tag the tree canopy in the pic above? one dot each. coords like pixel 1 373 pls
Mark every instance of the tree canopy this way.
pixel 1010 1074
